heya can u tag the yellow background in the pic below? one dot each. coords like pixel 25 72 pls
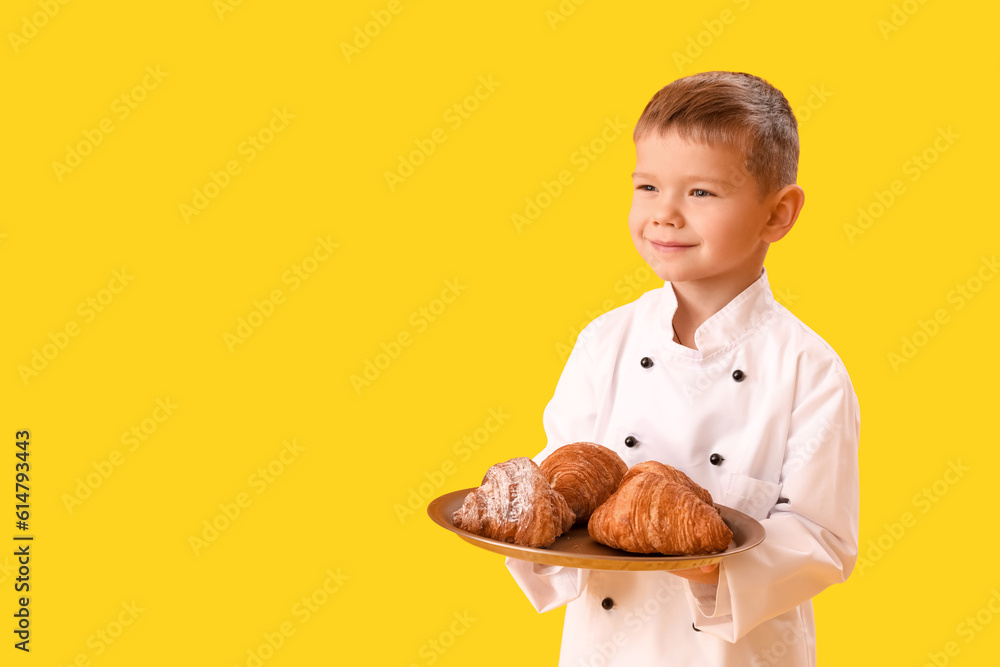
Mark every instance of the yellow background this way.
pixel 499 345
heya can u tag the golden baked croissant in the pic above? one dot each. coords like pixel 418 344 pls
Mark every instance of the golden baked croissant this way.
pixel 515 504
pixel 674 474
pixel 586 474
pixel 659 509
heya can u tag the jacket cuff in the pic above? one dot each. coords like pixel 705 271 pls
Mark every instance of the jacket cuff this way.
pixel 547 587
pixel 713 602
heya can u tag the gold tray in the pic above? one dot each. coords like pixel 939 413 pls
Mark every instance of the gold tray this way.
pixel 577 549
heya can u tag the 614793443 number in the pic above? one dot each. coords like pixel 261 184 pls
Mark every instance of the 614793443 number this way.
pixel 22 508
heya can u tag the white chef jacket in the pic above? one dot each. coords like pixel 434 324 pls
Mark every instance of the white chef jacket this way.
pixel 764 416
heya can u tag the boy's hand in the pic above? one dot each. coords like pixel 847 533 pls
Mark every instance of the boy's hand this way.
pixel 708 574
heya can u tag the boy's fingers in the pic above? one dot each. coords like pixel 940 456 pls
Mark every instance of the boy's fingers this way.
pixel 709 568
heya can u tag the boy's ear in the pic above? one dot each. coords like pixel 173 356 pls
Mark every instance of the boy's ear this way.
pixel 788 201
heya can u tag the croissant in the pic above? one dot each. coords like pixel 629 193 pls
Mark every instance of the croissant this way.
pixel 673 474
pixel 586 474
pixel 659 509
pixel 515 504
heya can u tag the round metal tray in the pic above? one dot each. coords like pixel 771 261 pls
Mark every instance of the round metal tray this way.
pixel 576 548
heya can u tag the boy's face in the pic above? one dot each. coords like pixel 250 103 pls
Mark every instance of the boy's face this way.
pixel 695 215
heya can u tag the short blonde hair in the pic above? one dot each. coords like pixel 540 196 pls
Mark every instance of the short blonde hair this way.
pixel 735 109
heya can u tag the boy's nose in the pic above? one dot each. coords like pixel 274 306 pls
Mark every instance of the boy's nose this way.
pixel 668 214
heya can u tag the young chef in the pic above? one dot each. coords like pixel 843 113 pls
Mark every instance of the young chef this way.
pixel 712 376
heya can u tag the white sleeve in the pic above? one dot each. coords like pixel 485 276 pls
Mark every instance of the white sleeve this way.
pixel 569 417
pixel 571 414
pixel 547 587
pixel 811 532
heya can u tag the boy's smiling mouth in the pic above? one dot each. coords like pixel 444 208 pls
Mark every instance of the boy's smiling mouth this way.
pixel 669 246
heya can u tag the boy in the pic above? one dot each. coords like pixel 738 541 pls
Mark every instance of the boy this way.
pixel 711 375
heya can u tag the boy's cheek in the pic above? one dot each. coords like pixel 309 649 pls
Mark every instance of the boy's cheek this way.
pixel 634 224
pixel 637 241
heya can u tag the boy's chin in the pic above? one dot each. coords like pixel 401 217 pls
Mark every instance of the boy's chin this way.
pixel 666 274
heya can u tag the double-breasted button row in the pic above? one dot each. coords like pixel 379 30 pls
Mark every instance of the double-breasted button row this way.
pixel 738 375
pixel 714 459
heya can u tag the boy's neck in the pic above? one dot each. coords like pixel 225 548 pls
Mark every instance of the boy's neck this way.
pixel 699 300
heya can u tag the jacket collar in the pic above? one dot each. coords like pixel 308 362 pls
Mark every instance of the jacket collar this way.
pixel 723 330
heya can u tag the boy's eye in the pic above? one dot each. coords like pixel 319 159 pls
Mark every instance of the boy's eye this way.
pixel 701 193
pixel 644 188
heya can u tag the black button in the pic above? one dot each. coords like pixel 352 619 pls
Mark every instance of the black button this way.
pixel 694 628
pixel 715 459
pixel 646 362
pixel 607 603
pixel 738 375
pixel 631 441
